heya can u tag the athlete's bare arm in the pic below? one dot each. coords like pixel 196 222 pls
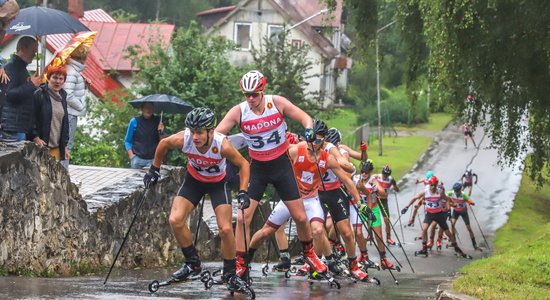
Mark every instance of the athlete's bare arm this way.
pixel 231 119
pixel 418 196
pixel 229 152
pixel 353 153
pixel 382 194
pixel 394 184
pixel 293 151
pixel 286 108
pixel 175 141
pixel 342 161
pixel 344 177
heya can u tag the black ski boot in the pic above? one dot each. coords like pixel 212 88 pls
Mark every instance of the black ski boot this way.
pixel 423 252
pixel 335 267
pixel 475 244
pixel 282 265
pixel 236 285
pixel 191 267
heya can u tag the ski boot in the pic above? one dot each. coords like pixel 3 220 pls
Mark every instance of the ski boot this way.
pixel 299 261
pixel 389 241
pixel 459 252
pixel 336 267
pixel 438 244
pixel 360 275
pixel 189 268
pixel 423 251
pixel 236 285
pixel 314 262
pixel 386 264
pixel 411 223
pixel 282 265
pixel 366 263
pixel 241 268
pixel 303 271
pixel 430 244
pixel 338 250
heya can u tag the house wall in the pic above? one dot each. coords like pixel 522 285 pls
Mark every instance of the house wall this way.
pixel 260 17
pixel 10 48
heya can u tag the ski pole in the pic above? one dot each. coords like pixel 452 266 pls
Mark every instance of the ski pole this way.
pixel 247 276
pixel 146 190
pixel 399 219
pixel 397 236
pixel 199 222
pixel 479 226
pixel 379 252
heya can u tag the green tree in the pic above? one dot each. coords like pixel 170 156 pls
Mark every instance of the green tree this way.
pixel 285 67
pixel 498 51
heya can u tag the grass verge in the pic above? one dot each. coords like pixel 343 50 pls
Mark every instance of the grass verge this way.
pixel 437 122
pixel 520 266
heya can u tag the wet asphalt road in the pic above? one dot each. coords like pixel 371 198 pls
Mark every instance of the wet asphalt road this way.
pixel 493 195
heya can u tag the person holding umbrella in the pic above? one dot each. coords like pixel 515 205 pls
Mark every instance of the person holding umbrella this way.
pixel 143 136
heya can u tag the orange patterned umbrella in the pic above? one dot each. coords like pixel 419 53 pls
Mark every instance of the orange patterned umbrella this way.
pixel 81 42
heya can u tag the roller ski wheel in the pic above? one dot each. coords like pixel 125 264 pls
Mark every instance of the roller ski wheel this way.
pixel 318 277
pixel 154 286
pixel 372 280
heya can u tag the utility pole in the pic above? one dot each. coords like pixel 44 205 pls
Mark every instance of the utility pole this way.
pixel 378 88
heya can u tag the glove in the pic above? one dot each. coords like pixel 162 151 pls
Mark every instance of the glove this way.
pixel 151 177
pixel 365 210
pixel 404 210
pixel 243 199
pixel 363 146
pixel 309 135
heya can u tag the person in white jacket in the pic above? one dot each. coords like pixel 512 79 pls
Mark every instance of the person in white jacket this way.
pixel 75 86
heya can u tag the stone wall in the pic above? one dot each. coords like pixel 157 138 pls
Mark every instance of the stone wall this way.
pixel 47 225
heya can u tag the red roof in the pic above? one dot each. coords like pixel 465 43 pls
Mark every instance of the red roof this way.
pixel 113 39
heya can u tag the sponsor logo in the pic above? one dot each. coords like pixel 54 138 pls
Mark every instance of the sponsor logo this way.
pixel 301 158
pixel 215 150
pixel 307 177
pixel 20 27
pixel 269 105
pixel 322 163
pixel 262 124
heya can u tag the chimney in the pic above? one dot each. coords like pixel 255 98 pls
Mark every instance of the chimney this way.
pixel 76 8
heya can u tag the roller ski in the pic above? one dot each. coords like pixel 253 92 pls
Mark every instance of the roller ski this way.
pixel 476 247
pixel 243 270
pixel 187 273
pixel 385 264
pixel 438 245
pixel 298 261
pixel 389 241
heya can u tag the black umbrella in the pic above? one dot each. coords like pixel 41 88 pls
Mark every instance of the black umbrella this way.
pixel 39 21
pixel 164 103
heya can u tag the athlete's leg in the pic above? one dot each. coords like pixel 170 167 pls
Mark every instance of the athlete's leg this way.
pixel 298 213
pixel 181 208
pixel 281 237
pixel 345 231
pixel 261 235
pixel 225 227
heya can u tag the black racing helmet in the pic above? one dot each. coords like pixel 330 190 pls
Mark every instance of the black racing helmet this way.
pixel 386 170
pixel 457 187
pixel 334 136
pixel 320 128
pixel 367 166
pixel 201 117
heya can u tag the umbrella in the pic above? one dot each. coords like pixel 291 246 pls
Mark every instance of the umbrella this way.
pixel 38 21
pixel 81 40
pixel 164 103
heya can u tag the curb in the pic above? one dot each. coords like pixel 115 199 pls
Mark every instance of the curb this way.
pixel 445 292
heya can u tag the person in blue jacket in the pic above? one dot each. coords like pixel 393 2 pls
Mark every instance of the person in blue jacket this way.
pixel 143 136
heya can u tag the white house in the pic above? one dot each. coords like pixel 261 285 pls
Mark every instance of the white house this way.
pixel 250 21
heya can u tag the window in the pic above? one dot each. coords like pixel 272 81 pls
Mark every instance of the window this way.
pixel 273 30
pixel 296 43
pixel 242 36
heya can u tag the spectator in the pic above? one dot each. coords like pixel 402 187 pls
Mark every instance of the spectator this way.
pixel 51 116
pixel 143 136
pixel 17 113
pixel 8 11
pixel 75 86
